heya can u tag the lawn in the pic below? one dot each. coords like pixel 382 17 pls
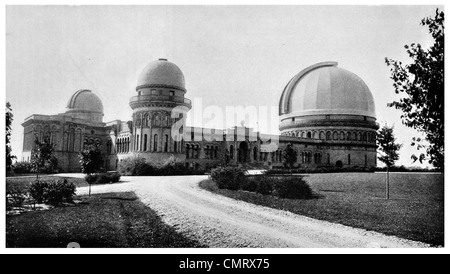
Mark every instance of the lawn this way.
pixel 104 220
pixel 24 182
pixel 415 210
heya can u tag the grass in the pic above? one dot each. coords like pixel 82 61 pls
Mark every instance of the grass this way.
pixel 415 210
pixel 104 220
pixel 25 182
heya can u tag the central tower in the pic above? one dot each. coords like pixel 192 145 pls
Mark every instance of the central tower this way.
pixel 159 112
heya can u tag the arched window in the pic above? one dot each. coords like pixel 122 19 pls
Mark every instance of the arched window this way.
pixel 197 151
pixel 328 135
pixel 72 140
pixel 322 135
pixel 137 143
pixel 155 142
pixel 349 136
pixel 175 146
pixel 308 135
pixel 166 143
pixel 145 142
pixel 315 135
pixel 207 152
pixel 342 135
pixel 109 147
pixel 335 135
pixel 231 152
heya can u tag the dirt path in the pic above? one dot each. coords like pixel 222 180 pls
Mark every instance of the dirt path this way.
pixel 223 222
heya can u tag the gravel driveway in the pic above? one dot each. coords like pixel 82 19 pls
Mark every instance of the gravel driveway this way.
pixel 222 222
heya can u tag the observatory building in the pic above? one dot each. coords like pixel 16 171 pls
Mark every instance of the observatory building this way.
pixel 326 112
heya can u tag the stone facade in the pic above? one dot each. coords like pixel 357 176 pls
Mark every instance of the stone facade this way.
pixel 324 134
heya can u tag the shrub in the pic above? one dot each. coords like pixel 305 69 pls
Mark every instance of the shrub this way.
pixel 37 191
pixel 265 185
pixel 91 178
pixel 228 177
pixel 59 191
pixel 102 179
pixel 15 195
pixel 22 168
pixel 115 177
pixel 250 184
pixel 135 166
pixel 174 169
pixel 293 188
pixel 54 192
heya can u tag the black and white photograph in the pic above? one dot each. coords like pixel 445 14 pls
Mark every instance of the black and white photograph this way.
pixel 224 127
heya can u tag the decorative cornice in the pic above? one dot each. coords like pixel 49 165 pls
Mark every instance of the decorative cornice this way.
pixel 328 123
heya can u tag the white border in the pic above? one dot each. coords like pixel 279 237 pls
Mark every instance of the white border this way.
pixel 201 250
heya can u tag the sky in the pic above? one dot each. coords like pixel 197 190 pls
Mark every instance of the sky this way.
pixel 230 55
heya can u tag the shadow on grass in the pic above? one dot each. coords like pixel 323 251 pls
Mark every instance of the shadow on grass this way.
pixel 102 220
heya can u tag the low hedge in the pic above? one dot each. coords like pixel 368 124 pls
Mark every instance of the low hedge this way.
pixel 102 178
pixel 234 178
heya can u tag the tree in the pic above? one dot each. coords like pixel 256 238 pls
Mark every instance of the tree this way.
pixel 422 84
pixel 388 150
pixel 91 159
pixel 9 119
pixel 289 157
pixel 41 154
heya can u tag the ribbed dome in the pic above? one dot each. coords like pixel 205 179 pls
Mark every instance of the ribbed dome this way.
pixel 161 72
pixel 85 101
pixel 326 89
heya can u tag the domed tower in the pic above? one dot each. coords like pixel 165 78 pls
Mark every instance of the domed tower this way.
pixel 84 104
pixel 159 112
pixel 333 105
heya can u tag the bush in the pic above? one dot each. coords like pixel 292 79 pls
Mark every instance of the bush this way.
pixel 174 169
pixel 22 168
pixel 249 185
pixel 103 179
pixel 59 191
pixel 293 188
pixel 91 178
pixel 16 195
pixel 53 193
pixel 265 185
pixel 115 177
pixel 228 177
pixel 135 166
pixel 37 191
